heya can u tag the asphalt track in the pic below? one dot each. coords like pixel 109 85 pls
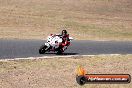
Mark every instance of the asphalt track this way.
pixel 10 49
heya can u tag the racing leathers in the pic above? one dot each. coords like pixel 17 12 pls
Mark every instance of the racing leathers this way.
pixel 65 42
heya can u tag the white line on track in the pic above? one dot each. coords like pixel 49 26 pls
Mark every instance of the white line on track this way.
pixel 44 57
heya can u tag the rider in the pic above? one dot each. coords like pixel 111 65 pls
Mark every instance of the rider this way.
pixel 65 39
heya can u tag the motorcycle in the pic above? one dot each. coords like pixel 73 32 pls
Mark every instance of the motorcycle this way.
pixel 52 44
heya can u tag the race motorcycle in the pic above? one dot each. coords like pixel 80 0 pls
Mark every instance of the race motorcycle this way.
pixel 52 44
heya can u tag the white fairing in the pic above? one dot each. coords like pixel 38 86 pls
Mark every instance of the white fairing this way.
pixel 70 38
pixel 47 44
pixel 53 41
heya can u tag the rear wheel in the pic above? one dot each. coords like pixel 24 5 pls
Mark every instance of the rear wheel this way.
pixel 59 51
pixel 42 49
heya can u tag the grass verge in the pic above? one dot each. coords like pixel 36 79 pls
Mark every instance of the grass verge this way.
pixel 84 19
pixel 60 72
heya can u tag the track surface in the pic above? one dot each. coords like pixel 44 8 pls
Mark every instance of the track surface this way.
pixel 29 48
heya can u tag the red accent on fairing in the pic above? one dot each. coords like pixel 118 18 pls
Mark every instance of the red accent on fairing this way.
pixel 65 44
pixel 51 34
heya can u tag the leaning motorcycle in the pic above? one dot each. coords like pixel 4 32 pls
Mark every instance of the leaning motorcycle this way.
pixel 52 45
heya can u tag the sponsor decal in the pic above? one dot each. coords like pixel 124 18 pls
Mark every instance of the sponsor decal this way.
pixel 83 78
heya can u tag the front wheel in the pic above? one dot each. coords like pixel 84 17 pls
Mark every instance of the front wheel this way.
pixel 42 49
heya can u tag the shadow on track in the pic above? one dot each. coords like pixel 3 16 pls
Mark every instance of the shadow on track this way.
pixel 60 54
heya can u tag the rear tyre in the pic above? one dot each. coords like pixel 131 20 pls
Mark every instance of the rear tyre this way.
pixel 59 51
pixel 42 49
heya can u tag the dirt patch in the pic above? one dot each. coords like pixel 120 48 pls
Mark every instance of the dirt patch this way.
pixel 60 72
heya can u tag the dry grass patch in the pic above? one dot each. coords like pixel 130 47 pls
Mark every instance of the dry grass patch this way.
pixel 60 72
pixel 84 19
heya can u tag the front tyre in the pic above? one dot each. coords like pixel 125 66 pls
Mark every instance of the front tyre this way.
pixel 42 49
